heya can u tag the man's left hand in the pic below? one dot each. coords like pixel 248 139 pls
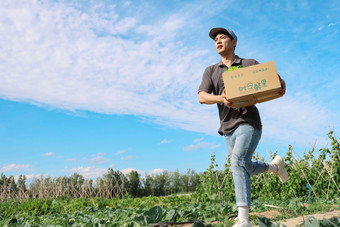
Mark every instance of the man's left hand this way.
pixel 283 85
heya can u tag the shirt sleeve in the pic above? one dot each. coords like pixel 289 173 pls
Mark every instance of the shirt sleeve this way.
pixel 206 84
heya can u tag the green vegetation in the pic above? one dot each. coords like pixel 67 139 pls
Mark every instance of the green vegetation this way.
pixel 120 200
pixel 320 169
pixel 231 68
pixel 140 211
pixel 113 212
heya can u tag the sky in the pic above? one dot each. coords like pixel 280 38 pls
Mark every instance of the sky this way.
pixel 91 85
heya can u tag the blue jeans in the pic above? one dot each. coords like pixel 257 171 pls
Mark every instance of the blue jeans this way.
pixel 241 144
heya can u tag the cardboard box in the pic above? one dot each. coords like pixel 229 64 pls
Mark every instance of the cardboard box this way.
pixel 253 84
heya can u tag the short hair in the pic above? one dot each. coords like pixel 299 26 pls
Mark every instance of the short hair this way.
pixel 225 33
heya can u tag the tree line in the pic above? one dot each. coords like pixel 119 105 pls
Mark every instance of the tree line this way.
pixel 112 184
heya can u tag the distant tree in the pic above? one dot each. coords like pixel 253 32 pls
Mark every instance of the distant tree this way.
pixel 21 182
pixel 167 182
pixel 185 181
pixel 176 181
pixel 35 184
pixel 3 180
pixel 113 183
pixel 190 180
pixel 148 186
pixel 8 184
pixel 12 187
pixel 134 184
pixel 76 181
pixel 194 180
pixel 159 184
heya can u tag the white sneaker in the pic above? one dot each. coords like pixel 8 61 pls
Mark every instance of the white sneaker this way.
pixel 281 171
pixel 242 223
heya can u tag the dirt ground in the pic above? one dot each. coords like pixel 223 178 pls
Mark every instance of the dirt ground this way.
pixel 293 222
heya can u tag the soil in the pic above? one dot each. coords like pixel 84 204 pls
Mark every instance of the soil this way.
pixel 293 222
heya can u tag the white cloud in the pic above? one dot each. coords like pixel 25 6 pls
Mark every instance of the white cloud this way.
pixel 28 177
pixel 129 170
pixel 214 146
pixel 143 173
pixel 121 152
pixel 196 146
pixel 197 140
pixel 89 172
pixel 16 167
pixel 127 157
pixel 48 154
pixel 99 160
pixel 164 141
pixel 99 154
pixel 155 171
pixel 53 51
pixel 127 3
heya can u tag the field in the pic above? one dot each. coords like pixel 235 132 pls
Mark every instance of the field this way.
pixel 143 211
pixel 118 200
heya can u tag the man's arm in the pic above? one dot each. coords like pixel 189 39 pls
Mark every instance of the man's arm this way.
pixel 206 98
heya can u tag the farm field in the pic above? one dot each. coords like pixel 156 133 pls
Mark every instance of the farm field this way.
pixel 118 200
pixel 146 211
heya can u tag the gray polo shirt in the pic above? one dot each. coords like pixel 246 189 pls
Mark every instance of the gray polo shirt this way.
pixel 230 118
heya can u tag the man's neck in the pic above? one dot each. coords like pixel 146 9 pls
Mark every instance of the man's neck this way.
pixel 228 59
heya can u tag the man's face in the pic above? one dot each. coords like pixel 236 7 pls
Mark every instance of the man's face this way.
pixel 224 44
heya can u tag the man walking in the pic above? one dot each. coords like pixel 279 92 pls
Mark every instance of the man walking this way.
pixel 241 127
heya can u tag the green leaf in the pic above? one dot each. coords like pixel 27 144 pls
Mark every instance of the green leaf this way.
pixel 170 215
pixel 232 68
pixel 312 222
pixel 154 215
pixel 210 219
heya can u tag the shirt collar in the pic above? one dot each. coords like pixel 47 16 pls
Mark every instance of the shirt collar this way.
pixel 237 60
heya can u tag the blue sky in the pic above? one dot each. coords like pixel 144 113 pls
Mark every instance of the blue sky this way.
pixel 91 85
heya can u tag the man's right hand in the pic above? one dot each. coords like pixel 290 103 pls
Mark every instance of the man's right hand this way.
pixel 206 98
pixel 224 99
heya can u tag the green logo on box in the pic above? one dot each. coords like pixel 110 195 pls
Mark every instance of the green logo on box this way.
pixel 253 86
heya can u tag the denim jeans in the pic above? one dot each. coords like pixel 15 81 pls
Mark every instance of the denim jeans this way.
pixel 241 144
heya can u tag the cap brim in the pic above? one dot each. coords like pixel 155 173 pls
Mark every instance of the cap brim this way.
pixel 215 31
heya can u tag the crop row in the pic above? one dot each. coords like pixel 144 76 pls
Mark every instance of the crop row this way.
pixel 136 212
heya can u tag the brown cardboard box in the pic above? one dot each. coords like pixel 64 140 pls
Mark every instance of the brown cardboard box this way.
pixel 252 84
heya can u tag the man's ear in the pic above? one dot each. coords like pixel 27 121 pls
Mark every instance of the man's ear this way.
pixel 234 42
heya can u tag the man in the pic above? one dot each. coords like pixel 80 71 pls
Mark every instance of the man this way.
pixel 241 127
